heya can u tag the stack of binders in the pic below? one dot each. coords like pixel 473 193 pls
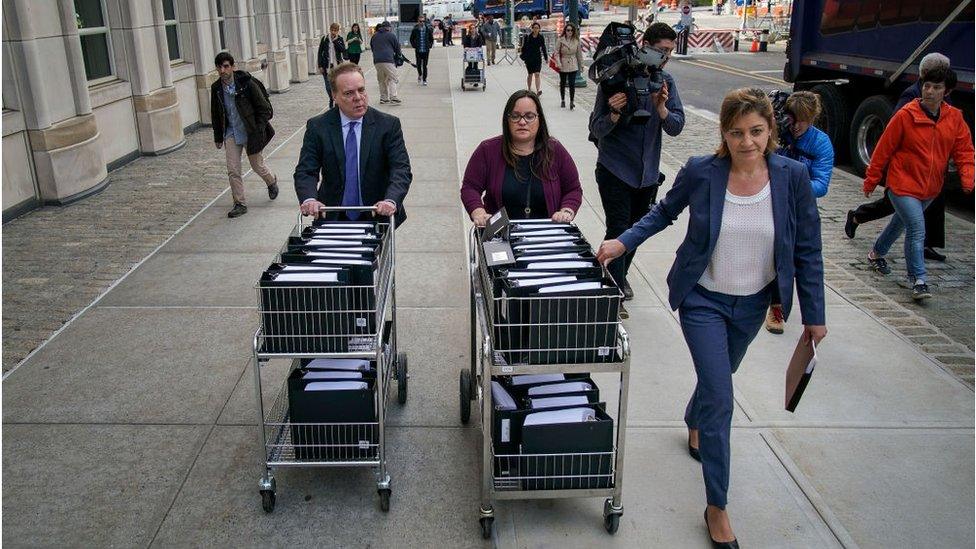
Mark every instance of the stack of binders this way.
pixel 321 297
pixel 332 410
pixel 553 303
pixel 551 432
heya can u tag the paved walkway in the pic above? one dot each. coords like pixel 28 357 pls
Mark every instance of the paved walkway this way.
pixel 135 425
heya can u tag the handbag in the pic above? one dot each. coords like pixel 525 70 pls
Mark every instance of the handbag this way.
pixel 552 63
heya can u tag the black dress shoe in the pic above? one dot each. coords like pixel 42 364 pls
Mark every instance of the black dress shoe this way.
pixel 628 291
pixel 273 190
pixel 851 225
pixel 930 253
pixel 694 453
pixel 238 210
pixel 734 544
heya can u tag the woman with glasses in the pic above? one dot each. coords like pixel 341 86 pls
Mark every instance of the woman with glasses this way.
pixel 569 59
pixel 533 52
pixel 523 170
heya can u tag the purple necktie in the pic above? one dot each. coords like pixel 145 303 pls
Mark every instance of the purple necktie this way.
pixel 351 195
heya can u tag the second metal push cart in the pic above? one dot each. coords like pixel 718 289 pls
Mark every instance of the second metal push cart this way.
pixel 553 345
pixel 350 321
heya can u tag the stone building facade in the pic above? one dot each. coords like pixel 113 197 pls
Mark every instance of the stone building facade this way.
pixel 89 85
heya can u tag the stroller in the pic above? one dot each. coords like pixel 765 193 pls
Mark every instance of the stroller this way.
pixel 473 64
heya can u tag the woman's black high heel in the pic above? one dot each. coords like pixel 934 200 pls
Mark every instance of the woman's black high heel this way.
pixel 734 544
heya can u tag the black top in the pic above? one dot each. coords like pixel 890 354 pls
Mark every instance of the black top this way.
pixel 534 48
pixel 521 186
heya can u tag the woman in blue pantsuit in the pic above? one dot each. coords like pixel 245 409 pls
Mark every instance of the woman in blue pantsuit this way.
pixel 753 226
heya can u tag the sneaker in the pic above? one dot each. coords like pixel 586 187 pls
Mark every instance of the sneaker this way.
pixel 930 253
pixel 628 291
pixel 624 315
pixel 572 106
pixel 424 83
pixel 239 210
pixel 879 264
pixel 774 319
pixel 419 79
pixel 395 101
pixel 384 101
pixel 273 189
pixel 562 104
pixel 921 291
pixel 851 225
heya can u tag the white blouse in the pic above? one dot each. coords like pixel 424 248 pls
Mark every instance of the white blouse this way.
pixel 742 263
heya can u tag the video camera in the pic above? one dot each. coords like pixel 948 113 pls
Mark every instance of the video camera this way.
pixel 784 119
pixel 621 65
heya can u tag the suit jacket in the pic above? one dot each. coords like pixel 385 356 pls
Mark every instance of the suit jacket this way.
pixel 700 187
pixel 384 165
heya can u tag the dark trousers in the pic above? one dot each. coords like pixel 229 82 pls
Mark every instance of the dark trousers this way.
pixel 447 36
pixel 623 206
pixel 354 57
pixel 934 217
pixel 328 89
pixel 718 329
pixel 567 79
pixel 422 64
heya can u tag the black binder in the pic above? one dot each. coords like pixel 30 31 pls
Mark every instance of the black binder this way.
pixel 350 442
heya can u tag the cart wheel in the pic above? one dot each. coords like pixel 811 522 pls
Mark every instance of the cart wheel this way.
pixel 402 378
pixel 384 499
pixel 486 525
pixel 268 500
pixel 611 523
pixel 465 387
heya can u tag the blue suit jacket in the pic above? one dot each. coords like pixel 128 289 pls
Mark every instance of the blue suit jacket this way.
pixel 700 187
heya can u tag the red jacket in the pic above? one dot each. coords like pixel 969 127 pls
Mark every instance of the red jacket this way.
pixel 915 151
pixel 485 175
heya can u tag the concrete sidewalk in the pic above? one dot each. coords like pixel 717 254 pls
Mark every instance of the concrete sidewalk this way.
pixel 135 426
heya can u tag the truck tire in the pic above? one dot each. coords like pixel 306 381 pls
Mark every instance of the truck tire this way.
pixel 833 116
pixel 868 124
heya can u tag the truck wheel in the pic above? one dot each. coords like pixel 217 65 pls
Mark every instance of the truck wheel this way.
pixel 833 116
pixel 868 124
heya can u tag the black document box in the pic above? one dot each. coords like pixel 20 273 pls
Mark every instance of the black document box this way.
pixel 562 456
pixel 557 328
pixel 349 432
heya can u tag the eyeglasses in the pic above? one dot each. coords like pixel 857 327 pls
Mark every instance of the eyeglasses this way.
pixel 529 117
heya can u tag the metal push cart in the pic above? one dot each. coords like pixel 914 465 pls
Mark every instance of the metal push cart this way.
pixel 541 476
pixel 346 322
pixel 473 68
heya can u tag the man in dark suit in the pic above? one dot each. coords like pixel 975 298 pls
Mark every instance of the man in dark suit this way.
pixel 358 151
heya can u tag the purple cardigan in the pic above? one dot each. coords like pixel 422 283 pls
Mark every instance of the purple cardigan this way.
pixel 486 173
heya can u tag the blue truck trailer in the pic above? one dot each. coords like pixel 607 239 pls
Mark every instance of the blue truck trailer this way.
pixel 528 8
pixel 859 55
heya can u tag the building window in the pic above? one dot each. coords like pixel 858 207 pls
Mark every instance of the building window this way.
pixel 220 25
pixel 172 29
pixel 95 41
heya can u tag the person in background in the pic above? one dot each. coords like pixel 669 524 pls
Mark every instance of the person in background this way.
pixel 331 50
pixel 354 43
pixel 628 162
pixel 736 249
pixel 533 53
pixel 881 208
pixel 241 114
pixel 386 49
pixel 811 147
pixel 569 61
pixel 913 154
pixel 524 170
pixel 447 27
pixel 490 30
pixel 422 41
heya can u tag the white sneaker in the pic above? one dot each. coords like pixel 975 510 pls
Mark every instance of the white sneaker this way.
pixel 425 83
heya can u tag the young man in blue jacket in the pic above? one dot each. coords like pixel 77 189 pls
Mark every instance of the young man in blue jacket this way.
pixel 808 145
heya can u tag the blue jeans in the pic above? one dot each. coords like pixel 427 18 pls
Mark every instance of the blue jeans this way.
pixel 909 218
pixel 718 329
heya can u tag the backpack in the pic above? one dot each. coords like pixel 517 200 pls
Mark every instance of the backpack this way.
pixel 264 92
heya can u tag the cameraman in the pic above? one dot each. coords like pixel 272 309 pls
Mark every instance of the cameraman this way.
pixel 628 163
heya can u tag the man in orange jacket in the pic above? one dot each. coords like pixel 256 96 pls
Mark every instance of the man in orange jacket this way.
pixel 915 149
